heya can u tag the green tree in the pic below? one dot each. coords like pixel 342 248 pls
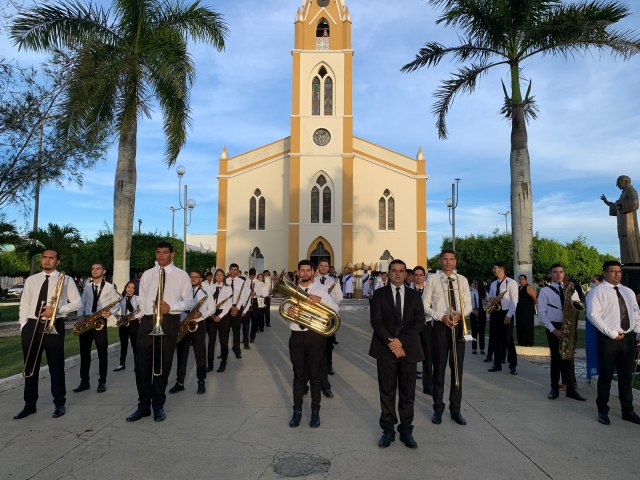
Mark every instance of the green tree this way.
pixel 65 239
pixel 8 235
pixel 200 261
pixel 125 57
pixel 508 33
pixel 14 264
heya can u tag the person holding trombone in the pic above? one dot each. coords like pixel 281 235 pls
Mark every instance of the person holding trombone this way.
pixel 165 292
pixel 447 300
pixel 47 298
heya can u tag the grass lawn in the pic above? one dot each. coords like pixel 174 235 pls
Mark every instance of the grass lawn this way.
pixel 540 337
pixel 9 313
pixel 12 363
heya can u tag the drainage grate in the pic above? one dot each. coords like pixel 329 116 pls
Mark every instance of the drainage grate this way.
pixel 300 465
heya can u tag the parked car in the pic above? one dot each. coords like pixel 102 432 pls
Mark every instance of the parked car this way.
pixel 16 290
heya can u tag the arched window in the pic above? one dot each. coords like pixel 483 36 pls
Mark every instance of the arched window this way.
pixel 321 203
pixel 322 35
pixel 256 260
pixel 386 211
pixel 322 98
pixel 257 207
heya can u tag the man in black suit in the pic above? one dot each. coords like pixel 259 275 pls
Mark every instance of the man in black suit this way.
pixel 397 318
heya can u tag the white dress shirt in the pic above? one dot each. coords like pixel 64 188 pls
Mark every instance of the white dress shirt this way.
pixel 550 305
pixel 223 294
pixel 135 302
pixel 70 300
pixel 258 286
pixel 178 293
pixel 237 286
pixel 326 300
pixel 107 294
pixel 330 283
pixel 205 308
pixel 510 299
pixel 603 309
pixel 436 296
pixel 475 299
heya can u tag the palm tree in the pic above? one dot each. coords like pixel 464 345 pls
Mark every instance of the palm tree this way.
pixel 8 235
pixel 509 32
pixel 65 239
pixel 125 57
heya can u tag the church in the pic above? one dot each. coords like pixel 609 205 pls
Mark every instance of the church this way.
pixel 321 192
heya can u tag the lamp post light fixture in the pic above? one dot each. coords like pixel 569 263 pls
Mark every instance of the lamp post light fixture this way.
pixel 452 204
pixel 139 226
pixel 185 205
pixel 506 214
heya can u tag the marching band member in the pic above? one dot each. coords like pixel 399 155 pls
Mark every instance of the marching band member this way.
pixel 332 285
pixel 151 379
pixel 501 320
pixel 236 283
pixel 34 304
pixel 269 282
pixel 218 321
pixel 419 278
pixel 258 292
pixel 447 300
pixel 96 295
pixel 196 339
pixel 129 305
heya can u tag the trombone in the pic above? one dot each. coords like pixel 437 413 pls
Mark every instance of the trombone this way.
pixel 465 333
pixel 157 327
pixel 48 328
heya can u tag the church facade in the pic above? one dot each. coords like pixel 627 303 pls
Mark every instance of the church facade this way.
pixel 321 191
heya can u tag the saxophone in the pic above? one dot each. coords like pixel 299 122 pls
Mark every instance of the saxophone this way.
pixel 95 320
pixel 124 320
pixel 495 304
pixel 189 323
pixel 570 311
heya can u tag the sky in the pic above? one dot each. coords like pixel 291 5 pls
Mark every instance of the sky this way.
pixel 586 135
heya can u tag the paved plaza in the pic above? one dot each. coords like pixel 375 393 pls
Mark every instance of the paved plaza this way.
pixel 239 428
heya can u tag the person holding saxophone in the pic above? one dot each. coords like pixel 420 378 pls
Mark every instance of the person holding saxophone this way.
pixel 447 300
pixel 165 292
pixel 501 306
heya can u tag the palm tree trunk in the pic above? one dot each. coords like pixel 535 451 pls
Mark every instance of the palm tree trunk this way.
pixel 521 203
pixel 124 199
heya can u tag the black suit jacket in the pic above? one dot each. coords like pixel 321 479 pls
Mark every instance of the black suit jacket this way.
pixel 383 313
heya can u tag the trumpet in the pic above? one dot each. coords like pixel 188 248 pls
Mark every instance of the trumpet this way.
pixel 157 328
pixel 48 328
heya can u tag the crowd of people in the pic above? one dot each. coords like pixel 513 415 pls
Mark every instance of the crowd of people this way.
pixel 416 317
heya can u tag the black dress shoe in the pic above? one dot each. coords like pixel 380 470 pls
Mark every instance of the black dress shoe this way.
pixel 201 388
pixel 513 371
pixel 603 418
pixel 327 392
pixel 315 419
pixel 575 395
pixel 495 369
pixel 246 346
pixel 475 352
pixel 220 356
pixel 82 387
pixel 487 360
pixel 25 412
pixel 386 439
pixel 178 387
pixel 138 414
pixel 237 353
pixel 210 367
pixel 222 367
pixel 458 418
pixel 159 415
pixel 408 440
pixel 101 388
pixel 58 412
pixel 553 394
pixel 119 368
pixel 481 352
pixel 418 374
pixel 296 417
pixel 631 417
pixel 436 419
pixel 331 371
pixel 427 390
pixel 253 340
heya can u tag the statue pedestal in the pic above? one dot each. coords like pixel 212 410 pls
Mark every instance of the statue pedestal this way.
pixel 631 276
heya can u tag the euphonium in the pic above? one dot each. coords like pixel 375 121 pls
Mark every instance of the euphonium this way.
pixel 189 323
pixel 570 311
pixel 95 320
pixel 314 316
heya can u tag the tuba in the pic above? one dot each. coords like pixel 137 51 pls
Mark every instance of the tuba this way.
pixel 95 320
pixel 314 316
pixel 570 311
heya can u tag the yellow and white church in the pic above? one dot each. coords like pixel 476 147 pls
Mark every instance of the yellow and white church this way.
pixel 321 192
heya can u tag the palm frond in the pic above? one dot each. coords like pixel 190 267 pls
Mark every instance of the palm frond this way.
pixel 433 52
pixel 194 22
pixel 529 106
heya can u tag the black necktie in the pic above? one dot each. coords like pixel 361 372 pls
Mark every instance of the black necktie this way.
pixel 398 307
pixel 561 293
pixel 322 279
pixel 251 286
pixel 625 323
pixel 128 307
pixel 94 305
pixel 42 296
pixel 215 295
pixel 452 296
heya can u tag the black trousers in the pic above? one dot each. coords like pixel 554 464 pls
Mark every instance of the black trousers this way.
pixel 102 343
pixel 396 375
pixel 325 384
pixel 267 311
pixel 616 355
pixel 328 350
pixel 478 326
pixel 218 329
pixel 197 340
pixel 257 322
pixel 560 368
pixel 503 346
pixel 426 336
pixel 246 326
pixel 443 354
pixel 524 328
pixel 235 324
pixel 151 388
pixel 306 351
pixel 128 335
pixel 53 346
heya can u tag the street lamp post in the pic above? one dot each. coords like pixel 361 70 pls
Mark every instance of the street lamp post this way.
pixel 173 220
pixel 184 205
pixel 506 214
pixel 139 226
pixel 452 203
